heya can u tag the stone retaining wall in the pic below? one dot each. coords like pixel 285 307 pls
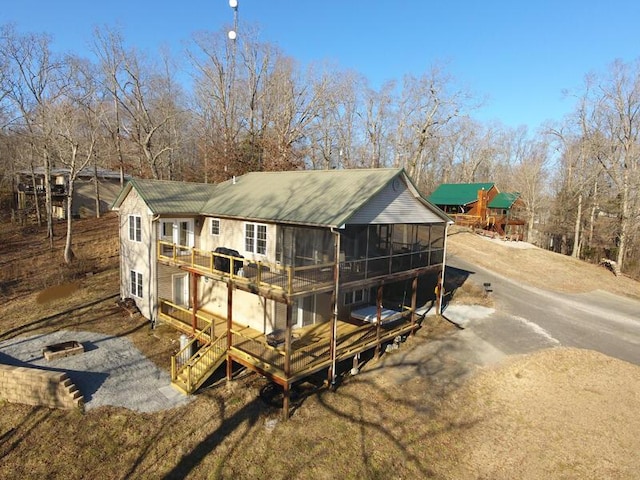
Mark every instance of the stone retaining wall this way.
pixel 33 386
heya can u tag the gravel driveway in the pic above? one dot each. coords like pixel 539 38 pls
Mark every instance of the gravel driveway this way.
pixel 111 371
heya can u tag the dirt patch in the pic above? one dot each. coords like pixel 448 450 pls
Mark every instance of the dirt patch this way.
pixel 57 292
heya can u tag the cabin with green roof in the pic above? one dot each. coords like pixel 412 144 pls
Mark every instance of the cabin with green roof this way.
pixel 481 206
pixel 285 273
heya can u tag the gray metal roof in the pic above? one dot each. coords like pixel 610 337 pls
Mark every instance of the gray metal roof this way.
pixel 308 197
pixel 311 197
pixel 168 197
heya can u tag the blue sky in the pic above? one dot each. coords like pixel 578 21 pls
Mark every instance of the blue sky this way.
pixel 521 55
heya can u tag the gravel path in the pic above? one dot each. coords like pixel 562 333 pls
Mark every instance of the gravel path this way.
pixel 111 371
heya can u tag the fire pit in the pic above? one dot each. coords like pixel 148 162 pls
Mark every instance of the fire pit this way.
pixel 62 349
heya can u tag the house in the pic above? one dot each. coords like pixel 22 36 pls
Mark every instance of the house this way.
pixel 285 273
pixel 464 198
pixel 30 186
pixel 481 206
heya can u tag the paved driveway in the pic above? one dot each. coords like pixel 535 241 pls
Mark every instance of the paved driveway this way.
pixel 527 318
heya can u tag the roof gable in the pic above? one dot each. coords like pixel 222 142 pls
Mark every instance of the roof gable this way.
pixel 308 197
pixel 458 193
pixel 311 197
pixel 169 197
pixel 504 200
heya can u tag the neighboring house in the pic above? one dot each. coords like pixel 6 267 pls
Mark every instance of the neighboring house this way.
pixel 464 198
pixel 285 273
pixel 84 195
pixel 481 205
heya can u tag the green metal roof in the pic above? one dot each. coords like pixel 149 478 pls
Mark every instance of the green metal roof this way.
pixel 312 197
pixel 504 200
pixel 458 193
pixel 167 197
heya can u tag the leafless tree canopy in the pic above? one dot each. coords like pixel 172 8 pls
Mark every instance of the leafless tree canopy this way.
pixel 224 108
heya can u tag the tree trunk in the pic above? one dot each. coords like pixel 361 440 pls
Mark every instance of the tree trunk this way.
pixel 48 201
pixel 592 216
pixel 68 252
pixel 97 189
pixel 35 196
pixel 575 251
pixel 624 223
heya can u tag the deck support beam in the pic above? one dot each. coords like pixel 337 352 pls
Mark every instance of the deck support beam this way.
pixel 287 363
pixel 194 301
pixel 229 327
pixel 378 320
pixel 414 302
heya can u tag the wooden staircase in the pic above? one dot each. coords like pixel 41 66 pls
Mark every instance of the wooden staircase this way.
pixel 188 373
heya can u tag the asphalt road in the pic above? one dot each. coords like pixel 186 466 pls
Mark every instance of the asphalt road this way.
pixel 527 319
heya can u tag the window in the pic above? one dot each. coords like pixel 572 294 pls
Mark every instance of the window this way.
pixel 135 228
pixel 215 226
pixel 167 231
pixel 136 284
pixel 356 296
pixel 255 238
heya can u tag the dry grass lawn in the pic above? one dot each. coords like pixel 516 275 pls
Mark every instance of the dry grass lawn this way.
pixel 558 413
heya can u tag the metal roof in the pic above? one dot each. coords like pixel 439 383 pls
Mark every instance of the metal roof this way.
pixel 308 197
pixel 168 197
pixel 311 197
pixel 504 200
pixel 86 172
pixel 458 193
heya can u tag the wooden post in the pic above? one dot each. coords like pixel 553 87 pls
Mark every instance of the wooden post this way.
pixel 287 343
pixel 379 320
pixel 286 394
pixel 229 325
pixel 334 308
pixel 194 301
pixel 414 301
pixel 287 364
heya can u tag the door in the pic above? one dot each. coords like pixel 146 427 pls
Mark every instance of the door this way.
pixel 184 234
pixel 305 311
pixel 181 290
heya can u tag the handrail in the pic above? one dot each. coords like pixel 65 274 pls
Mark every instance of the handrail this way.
pixel 217 346
pixel 200 332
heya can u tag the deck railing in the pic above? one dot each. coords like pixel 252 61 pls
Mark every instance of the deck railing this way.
pixel 264 274
pixel 195 367
pixel 308 354
pixel 182 319
pixel 291 280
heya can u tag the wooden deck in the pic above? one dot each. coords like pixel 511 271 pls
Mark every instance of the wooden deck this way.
pixel 310 346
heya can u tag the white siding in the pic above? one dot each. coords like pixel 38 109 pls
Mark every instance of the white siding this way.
pixel 138 256
pixel 248 309
pixel 232 236
pixel 395 204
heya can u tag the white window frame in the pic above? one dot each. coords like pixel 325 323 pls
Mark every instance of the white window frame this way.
pixel 135 228
pixel 356 296
pixel 174 236
pixel 216 222
pixel 136 284
pixel 252 243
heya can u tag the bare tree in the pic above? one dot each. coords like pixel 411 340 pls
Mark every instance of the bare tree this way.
pixel 109 49
pixel 76 126
pixel 34 84
pixel 613 113
pixel 426 106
